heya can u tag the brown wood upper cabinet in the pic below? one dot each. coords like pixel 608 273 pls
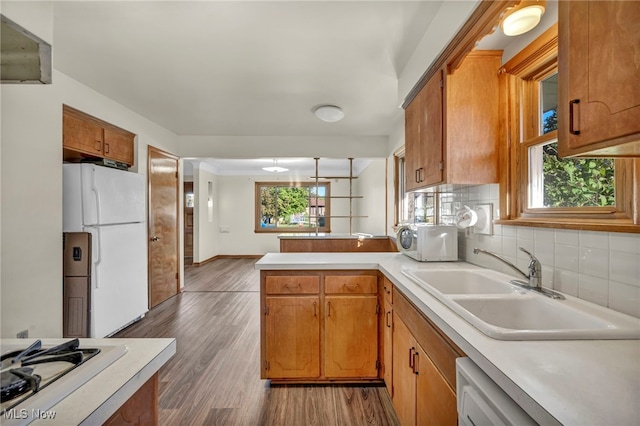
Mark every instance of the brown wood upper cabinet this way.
pixel 86 136
pixel 598 78
pixel 452 125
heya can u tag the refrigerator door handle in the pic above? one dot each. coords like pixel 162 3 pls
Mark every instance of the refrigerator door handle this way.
pixel 94 188
pixel 97 254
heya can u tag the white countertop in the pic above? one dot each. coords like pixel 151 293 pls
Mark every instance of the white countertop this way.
pixel 96 400
pixel 570 382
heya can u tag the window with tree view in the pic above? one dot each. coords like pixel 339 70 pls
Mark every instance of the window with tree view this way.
pixel 292 207
pixel 556 182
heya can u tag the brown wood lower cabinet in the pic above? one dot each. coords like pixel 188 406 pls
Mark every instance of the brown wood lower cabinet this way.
pixel 351 345
pixel 423 369
pixel 141 408
pixel 319 326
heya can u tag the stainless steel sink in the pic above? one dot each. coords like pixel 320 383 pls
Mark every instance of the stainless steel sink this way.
pixel 501 310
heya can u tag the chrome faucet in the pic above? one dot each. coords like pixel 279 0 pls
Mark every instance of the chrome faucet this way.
pixel 533 279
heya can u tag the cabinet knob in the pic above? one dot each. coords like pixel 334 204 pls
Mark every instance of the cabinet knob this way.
pixel 155 238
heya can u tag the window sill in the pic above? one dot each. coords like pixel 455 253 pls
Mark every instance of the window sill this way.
pixel 614 225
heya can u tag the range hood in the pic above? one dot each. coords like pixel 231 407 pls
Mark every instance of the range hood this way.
pixel 24 57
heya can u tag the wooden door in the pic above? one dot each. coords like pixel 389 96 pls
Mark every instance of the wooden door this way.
pixel 351 336
pixel 599 72
pixel 164 277
pixel 292 328
pixel 81 134
pixel 436 402
pixel 404 378
pixel 188 223
pixel 431 131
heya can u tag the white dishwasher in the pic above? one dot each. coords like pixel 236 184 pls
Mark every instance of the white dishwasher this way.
pixel 481 402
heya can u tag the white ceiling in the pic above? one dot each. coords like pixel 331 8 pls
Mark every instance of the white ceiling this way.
pixel 240 68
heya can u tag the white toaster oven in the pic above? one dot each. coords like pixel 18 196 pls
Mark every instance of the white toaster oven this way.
pixel 428 243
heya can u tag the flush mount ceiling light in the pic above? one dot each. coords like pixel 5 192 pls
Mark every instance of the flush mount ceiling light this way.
pixel 524 17
pixel 329 113
pixel 275 168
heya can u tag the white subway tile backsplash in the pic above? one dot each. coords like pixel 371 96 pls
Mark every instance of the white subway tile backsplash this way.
pixel 525 233
pixel 629 243
pixel 568 236
pixel 625 268
pixel 594 262
pixel 593 289
pixel 545 252
pixel 567 257
pixel 544 234
pixel 594 239
pixel 510 231
pixel 509 246
pixel 624 298
pixel 566 281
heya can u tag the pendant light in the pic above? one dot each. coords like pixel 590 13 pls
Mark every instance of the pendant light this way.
pixel 275 168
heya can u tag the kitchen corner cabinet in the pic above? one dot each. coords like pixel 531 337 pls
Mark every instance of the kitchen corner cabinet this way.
pixel 86 136
pixel 423 369
pixel 319 326
pixel 452 125
pixel 598 78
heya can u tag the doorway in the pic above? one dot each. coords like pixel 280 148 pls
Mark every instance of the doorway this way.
pixel 164 274
pixel 188 223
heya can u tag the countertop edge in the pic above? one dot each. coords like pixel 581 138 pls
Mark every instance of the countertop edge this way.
pixel 111 405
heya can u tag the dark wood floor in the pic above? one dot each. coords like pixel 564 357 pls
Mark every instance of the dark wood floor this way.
pixel 214 378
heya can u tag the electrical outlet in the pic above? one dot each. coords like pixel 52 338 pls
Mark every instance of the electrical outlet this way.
pixel 23 334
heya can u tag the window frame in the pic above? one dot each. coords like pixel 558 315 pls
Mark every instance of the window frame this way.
pixel 298 184
pixel 520 79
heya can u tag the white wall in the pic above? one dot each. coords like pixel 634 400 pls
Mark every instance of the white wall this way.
pixel 206 239
pixel 371 185
pixel 31 179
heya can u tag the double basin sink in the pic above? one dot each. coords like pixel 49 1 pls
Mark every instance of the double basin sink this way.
pixel 501 310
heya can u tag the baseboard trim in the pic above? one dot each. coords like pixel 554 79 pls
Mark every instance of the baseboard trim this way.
pixel 228 256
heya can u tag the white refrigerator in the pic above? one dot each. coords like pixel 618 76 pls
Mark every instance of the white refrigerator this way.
pixel 111 205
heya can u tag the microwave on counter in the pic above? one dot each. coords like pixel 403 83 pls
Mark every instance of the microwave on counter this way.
pixel 428 243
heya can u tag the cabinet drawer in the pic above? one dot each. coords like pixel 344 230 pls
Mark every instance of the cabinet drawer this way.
pixel 351 284
pixel 293 284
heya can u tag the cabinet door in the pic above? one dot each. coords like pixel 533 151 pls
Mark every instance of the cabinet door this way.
pixel 413 142
pixel 387 333
pixel 118 145
pixel 436 402
pixel 292 325
pixel 404 378
pixel 81 135
pixel 431 131
pixel 351 333
pixel 599 71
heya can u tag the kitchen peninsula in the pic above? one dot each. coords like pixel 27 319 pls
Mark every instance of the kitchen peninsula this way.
pixel 555 381
pixel 123 386
pixel 324 242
